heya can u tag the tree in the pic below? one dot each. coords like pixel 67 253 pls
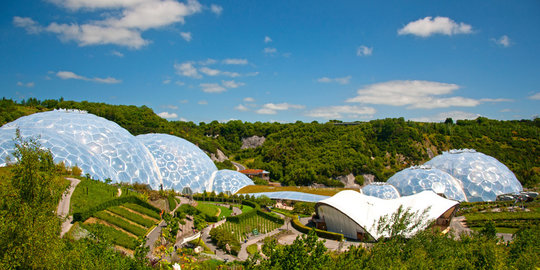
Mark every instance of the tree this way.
pixel 402 223
pixel 29 227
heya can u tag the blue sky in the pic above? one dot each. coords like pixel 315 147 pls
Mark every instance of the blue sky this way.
pixel 278 60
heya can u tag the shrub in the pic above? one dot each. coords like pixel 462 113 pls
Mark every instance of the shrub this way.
pixel 223 237
pixel 324 234
pixel 172 202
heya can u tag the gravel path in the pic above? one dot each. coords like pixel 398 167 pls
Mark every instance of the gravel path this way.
pixel 63 206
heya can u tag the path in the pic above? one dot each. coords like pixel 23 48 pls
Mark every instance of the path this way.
pixel 239 167
pixel 63 206
pixel 154 235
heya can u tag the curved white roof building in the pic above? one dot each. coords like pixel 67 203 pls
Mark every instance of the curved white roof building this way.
pixel 356 215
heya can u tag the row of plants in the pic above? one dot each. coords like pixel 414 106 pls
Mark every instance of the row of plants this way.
pixel 143 210
pixel 172 202
pixel 194 212
pixel 522 215
pixel 223 237
pixel 137 218
pixel 117 221
pixel 506 223
pixel 241 230
pixel 115 236
pixel 82 216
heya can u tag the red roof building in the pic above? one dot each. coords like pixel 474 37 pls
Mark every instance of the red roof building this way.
pixel 256 173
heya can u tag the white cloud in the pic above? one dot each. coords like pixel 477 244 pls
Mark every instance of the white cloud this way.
pixel 272 108
pixel 216 9
pixel 267 39
pixel 207 62
pixel 536 96
pixel 439 25
pixel 416 94
pixel 506 110
pixel 187 69
pixel 342 80
pixel 212 88
pixel 269 50
pixel 183 119
pixel 202 102
pixel 210 72
pixel 241 107
pixel 339 112
pixel 172 107
pixel 455 115
pixel 232 84
pixel 166 81
pixel 179 83
pixel 233 61
pixel 65 75
pixel 28 84
pixel 122 24
pixel 186 36
pixel 249 99
pixel 503 41
pixel 167 115
pixel 117 53
pixel 364 51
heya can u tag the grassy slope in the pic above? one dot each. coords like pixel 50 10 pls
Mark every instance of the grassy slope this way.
pixel 89 193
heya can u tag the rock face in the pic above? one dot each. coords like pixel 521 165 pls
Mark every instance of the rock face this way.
pixel 252 142
pixel 348 181
pixel 219 156
pixel 368 178
pixel 430 153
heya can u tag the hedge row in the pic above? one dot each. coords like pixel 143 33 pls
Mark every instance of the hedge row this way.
pixel 142 210
pixel 115 236
pixel 114 202
pixel 192 211
pixel 247 214
pixel 172 202
pixel 324 234
pixel 270 217
pixel 120 223
pixel 131 216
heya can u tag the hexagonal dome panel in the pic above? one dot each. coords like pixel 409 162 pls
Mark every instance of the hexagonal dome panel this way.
pixel 419 178
pixel 181 163
pixel 483 177
pixel 381 190
pixel 227 180
pixel 98 146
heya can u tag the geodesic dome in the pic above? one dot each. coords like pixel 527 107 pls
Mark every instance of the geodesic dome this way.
pixel 381 190
pixel 98 146
pixel 180 163
pixel 419 178
pixel 230 180
pixel 483 177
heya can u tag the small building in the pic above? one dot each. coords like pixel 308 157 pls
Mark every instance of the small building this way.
pixel 264 175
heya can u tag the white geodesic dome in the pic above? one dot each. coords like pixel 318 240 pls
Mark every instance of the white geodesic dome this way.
pixel 419 178
pixel 483 177
pixel 230 180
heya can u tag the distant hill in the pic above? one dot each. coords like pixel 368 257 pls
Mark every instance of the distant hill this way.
pixel 306 153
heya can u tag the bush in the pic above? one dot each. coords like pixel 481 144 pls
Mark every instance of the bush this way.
pixel 223 237
pixel 271 217
pixel 172 202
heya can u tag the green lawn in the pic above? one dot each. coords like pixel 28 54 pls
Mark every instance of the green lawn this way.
pixel 225 211
pixel 208 208
pixel 90 193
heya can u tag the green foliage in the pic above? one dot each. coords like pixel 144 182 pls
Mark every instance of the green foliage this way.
pixel 172 202
pixel 207 209
pixel 134 229
pixel 115 236
pixel 82 216
pixel 402 223
pixel 489 230
pixel 222 237
pixel 252 249
pixel 245 227
pixel 137 218
pixel 321 233
pixel 225 165
pixel 304 208
pixel 89 193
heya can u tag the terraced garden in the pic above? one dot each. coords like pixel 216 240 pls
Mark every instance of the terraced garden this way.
pixel 245 227
pixel 123 224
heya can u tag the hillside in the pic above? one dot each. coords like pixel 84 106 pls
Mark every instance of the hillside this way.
pixel 306 153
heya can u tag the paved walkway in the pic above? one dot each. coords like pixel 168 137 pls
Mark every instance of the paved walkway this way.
pixel 153 236
pixel 63 206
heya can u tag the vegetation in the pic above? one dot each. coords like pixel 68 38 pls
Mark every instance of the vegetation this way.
pixel 225 240
pixel 115 236
pixel 252 249
pixel 243 228
pixel 137 218
pixel 143 210
pixel 208 209
pixel 120 222
pixel 89 193
pixel 172 202
pixel 305 153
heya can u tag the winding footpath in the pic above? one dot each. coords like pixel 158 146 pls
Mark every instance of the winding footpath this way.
pixel 63 206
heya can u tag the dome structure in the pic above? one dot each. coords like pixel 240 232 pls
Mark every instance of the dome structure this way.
pixel 228 180
pixel 98 146
pixel 482 177
pixel 381 190
pixel 180 163
pixel 419 178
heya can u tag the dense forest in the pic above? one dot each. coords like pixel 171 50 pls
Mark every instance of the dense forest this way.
pixel 306 153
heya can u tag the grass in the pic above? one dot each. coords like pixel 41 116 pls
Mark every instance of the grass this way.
pixel 115 236
pixel 317 191
pixel 134 229
pixel 208 209
pixel 244 208
pixel 252 249
pixel 142 210
pixel 132 216
pixel 225 211
pixel 498 229
pixel 90 193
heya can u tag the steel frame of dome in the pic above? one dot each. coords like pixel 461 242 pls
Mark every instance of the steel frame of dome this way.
pixel 105 150
pixel 416 179
pixel 381 190
pixel 483 177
